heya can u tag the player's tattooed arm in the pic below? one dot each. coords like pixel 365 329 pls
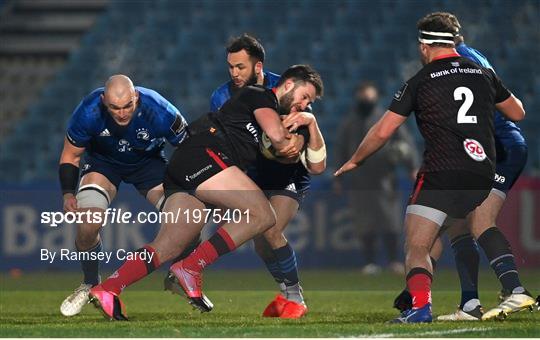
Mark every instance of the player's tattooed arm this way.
pixel 375 139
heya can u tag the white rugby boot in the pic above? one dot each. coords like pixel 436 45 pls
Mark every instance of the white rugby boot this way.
pixel 513 303
pixel 74 303
pixel 461 315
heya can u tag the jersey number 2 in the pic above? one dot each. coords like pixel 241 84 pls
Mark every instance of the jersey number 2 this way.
pixel 462 117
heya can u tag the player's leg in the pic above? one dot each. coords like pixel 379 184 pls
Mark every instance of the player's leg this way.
pixel 174 236
pixel 500 257
pixel 436 195
pixel 156 197
pixel 264 250
pixel 148 180
pixel 233 190
pixel 95 194
pixel 403 301
pixel 229 189
pixel 286 208
pixel 421 227
pixel 510 162
pixel 467 260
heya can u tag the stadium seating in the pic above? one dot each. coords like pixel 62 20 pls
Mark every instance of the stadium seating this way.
pixel 176 47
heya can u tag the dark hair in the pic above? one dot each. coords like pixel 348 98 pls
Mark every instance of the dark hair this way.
pixel 303 74
pixel 440 22
pixel 246 42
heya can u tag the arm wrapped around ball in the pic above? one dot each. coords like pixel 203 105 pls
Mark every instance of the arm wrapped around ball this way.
pixel 314 156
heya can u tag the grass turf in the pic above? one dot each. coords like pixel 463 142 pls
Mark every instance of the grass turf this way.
pixel 342 304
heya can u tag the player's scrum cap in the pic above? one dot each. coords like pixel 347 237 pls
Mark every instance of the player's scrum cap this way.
pixel 427 37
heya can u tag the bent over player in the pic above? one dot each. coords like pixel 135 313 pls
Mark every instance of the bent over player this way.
pixel 209 169
pixel 453 100
pixel 123 129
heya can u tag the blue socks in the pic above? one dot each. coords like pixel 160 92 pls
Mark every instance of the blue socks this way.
pixel 500 258
pixel 467 259
pixel 90 268
pixel 273 267
pixel 287 263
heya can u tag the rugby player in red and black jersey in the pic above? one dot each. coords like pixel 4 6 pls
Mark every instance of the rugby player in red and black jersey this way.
pixel 208 169
pixel 453 100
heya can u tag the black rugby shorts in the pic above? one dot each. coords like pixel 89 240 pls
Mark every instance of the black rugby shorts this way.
pixel 455 193
pixel 194 161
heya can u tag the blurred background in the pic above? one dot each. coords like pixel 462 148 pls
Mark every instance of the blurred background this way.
pixel 54 52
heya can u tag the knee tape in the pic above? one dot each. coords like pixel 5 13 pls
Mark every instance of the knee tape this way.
pixel 93 196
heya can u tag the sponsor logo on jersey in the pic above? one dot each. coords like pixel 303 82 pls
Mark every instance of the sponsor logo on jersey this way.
pixel 454 63
pixel 85 167
pixel 253 131
pixel 399 94
pixel 142 133
pixel 474 149
pixel 105 133
pixel 500 179
pixel 123 145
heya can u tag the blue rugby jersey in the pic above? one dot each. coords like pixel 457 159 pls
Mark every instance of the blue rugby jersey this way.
pixel 223 93
pixel 506 131
pixel 155 120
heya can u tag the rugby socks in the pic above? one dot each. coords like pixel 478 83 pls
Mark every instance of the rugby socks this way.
pixel 145 262
pixel 419 285
pixel 500 258
pixel 467 259
pixel 273 268
pixel 189 249
pixel 289 270
pixel 209 251
pixel 89 267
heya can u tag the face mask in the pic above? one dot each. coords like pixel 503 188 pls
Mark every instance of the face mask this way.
pixel 365 107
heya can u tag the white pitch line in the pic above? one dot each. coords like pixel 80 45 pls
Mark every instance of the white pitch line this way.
pixel 443 332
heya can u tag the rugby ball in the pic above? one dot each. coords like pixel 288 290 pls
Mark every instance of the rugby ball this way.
pixel 269 152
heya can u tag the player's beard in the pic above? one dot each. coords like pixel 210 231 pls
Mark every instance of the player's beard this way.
pixel 286 102
pixel 251 81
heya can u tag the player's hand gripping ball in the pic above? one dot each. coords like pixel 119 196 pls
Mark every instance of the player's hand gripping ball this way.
pixel 268 151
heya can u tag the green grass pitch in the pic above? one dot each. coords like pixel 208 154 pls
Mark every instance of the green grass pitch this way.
pixel 341 303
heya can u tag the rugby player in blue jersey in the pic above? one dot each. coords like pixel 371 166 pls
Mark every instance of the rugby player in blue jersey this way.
pixel 511 154
pixel 121 130
pixel 285 185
